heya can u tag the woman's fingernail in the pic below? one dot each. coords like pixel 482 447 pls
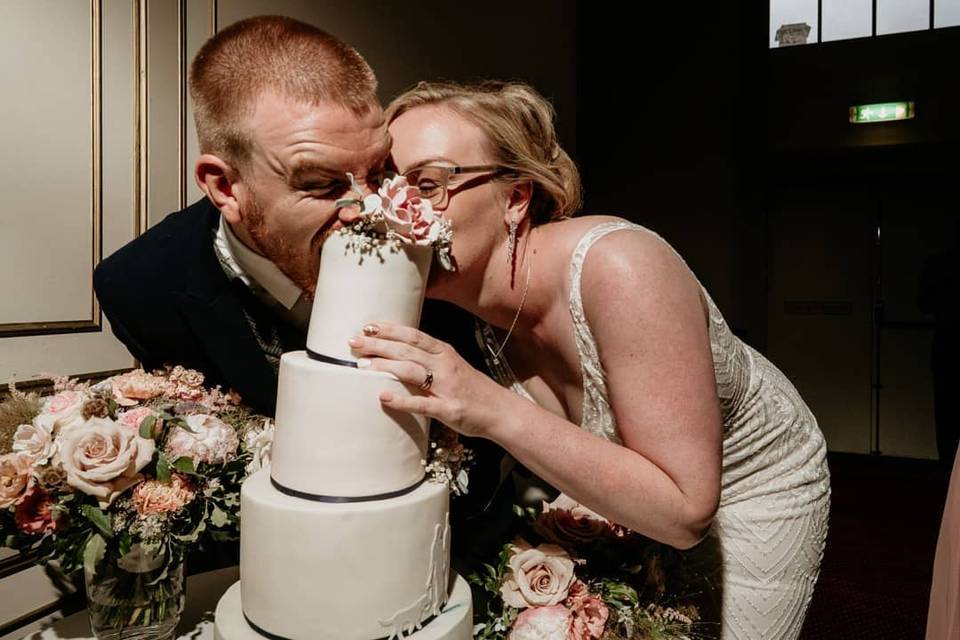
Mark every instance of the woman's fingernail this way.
pixel 371 330
pixel 355 342
pixel 363 363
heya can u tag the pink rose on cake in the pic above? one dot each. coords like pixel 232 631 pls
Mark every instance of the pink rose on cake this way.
pixel 103 459
pixel 36 441
pixel 16 478
pixel 539 577
pixel 542 623
pixel 213 441
pixel 405 212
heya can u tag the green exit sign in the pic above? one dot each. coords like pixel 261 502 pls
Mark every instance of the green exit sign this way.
pixel 882 112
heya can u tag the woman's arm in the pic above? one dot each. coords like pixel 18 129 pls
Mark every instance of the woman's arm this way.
pixel 645 311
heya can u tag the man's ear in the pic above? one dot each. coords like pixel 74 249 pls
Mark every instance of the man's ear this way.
pixel 219 181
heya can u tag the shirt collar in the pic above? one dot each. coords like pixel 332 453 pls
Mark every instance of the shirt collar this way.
pixel 251 266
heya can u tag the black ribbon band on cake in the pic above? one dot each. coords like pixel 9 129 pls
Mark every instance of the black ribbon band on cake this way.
pixel 344 499
pixel 273 636
pixel 319 357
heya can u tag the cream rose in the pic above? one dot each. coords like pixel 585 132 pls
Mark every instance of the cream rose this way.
pixel 539 577
pixel 36 441
pixel 213 441
pixel 16 478
pixel 103 458
pixel 62 411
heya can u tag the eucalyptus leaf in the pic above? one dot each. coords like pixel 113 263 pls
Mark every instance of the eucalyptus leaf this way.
pixel 93 553
pixel 99 519
pixel 146 427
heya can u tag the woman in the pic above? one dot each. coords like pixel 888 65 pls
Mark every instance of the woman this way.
pixel 645 407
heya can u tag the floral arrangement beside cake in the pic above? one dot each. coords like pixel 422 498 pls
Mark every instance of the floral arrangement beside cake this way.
pixel 121 479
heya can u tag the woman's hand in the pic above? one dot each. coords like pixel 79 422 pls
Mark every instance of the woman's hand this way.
pixel 452 391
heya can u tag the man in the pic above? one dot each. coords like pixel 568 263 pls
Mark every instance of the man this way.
pixel 283 112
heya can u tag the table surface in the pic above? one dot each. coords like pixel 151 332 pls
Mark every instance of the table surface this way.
pixel 196 623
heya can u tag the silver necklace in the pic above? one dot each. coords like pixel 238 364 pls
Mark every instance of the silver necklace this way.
pixel 523 298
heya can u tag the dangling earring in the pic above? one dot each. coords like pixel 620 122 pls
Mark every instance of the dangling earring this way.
pixel 511 243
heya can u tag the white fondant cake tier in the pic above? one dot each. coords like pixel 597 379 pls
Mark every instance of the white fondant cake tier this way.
pixel 333 437
pixel 455 622
pixel 356 287
pixel 344 571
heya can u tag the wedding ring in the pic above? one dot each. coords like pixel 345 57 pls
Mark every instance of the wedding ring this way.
pixel 427 381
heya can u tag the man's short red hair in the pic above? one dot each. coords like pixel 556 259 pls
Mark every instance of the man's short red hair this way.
pixel 270 53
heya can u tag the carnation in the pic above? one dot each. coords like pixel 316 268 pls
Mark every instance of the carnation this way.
pixel 152 496
pixel 135 386
pixel 589 613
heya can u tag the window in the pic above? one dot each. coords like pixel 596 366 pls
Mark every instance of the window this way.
pixel 946 13
pixel 793 22
pixel 897 16
pixel 845 19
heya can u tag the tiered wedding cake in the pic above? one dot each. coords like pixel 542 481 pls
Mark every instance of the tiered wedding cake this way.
pixel 341 536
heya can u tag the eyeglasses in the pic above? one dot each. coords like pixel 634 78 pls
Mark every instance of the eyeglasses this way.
pixel 434 181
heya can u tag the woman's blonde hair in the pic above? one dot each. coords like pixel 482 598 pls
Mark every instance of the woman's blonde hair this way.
pixel 519 127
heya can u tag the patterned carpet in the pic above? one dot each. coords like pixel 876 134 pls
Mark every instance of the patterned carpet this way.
pixel 875 577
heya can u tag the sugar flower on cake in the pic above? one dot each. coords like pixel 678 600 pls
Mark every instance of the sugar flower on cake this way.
pixel 398 211
pixel 16 478
pixel 35 440
pixel 539 577
pixel 103 459
pixel 212 441
pixel 543 623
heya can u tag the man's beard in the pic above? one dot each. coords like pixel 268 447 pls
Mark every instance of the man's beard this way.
pixel 296 266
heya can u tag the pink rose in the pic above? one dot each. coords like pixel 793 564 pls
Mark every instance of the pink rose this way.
pixel 566 522
pixel 406 213
pixel 62 411
pixel 103 459
pixel 16 478
pixel 542 623
pixel 589 613
pixel 153 496
pixel 132 387
pixel 34 514
pixel 213 441
pixel 538 577
pixel 131 419
pixel 36 441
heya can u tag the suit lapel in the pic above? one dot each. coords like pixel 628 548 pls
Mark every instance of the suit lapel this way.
pixel 212 309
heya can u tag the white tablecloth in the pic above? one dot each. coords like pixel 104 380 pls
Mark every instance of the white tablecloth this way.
pixel 203 592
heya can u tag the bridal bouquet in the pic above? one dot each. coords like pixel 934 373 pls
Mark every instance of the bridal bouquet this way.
pixel 122 478
pixel 398 213
pixel 571 575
